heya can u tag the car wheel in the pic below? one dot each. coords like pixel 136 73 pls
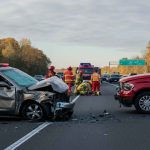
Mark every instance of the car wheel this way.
pixel 142 102
pixel 33 112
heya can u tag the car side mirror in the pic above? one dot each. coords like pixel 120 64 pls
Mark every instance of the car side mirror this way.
pixel 4 84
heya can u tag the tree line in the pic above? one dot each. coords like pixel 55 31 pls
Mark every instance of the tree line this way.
pixel 24 56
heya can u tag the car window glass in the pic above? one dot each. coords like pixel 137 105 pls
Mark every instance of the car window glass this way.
pixel 87 70
pixel 19 77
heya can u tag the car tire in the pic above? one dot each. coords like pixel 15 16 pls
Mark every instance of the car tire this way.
pixel 33 112
pixel 142 102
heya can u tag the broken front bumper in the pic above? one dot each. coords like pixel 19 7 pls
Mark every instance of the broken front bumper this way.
pixel 63 105
pixel 126 101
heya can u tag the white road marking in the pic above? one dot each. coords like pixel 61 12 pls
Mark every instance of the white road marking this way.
pixel 28 136
pixel 32 133
pixel 75 99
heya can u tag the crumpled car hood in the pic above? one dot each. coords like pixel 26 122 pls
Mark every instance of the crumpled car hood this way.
pixel 56 83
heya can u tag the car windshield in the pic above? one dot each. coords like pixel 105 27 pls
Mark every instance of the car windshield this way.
pixel 115 76
pixel 87 70
pixel 19 77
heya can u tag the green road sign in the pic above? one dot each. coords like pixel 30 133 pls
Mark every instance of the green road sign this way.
pixel 132 62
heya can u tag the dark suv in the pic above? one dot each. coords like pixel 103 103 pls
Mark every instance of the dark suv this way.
pixel 21 94
pixel 135 90
pixel 104 77
pixel 114 78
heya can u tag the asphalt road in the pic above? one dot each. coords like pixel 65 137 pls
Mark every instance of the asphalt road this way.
pixel 89 129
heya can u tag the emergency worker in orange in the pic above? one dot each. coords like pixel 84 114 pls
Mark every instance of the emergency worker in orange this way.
pixel 95 78
pixel 68 78
pixel 51 72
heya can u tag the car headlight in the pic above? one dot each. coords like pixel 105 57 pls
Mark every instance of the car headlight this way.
pixel 127 86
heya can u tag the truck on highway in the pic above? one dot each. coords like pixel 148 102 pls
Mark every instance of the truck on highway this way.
pixel 135 90
pixel 87 70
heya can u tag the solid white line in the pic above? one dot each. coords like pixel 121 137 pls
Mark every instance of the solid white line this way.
pixel 75 99
pixel 32 133
pixel 28 136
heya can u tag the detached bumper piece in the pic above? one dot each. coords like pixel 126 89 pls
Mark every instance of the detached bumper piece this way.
pixel 63 110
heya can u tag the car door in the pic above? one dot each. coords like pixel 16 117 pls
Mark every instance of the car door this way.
pixel 7 95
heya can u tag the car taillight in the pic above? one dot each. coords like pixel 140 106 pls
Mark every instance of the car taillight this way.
pixel 4 65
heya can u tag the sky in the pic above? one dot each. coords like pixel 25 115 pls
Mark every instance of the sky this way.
pixel 74 31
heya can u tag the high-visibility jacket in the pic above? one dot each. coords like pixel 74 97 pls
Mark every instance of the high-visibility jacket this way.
pixel 68 76
pixel 95 77
pixel 79 79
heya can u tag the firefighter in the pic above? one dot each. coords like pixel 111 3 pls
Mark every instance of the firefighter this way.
pixel 78 80
pixel 51 72
pixel 84 88
pixel 68 78
pixel 95 78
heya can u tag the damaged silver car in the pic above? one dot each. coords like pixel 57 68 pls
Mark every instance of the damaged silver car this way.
pixel 21 94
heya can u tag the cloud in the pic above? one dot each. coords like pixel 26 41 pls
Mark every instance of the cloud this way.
pixel 111 24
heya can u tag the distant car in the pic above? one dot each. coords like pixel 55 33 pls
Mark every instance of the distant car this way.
pixel 39 77
pixel 60 74
pixel 135 90
pixel 132 74
pixel 114 78
pixel 123 76
pixel 104 77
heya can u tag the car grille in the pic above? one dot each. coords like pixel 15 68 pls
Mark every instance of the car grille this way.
pixel 86 78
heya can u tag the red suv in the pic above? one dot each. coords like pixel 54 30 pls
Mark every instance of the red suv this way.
pixel 135 90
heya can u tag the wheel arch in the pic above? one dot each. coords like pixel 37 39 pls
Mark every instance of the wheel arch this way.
pixel 140 92
pixel 27 102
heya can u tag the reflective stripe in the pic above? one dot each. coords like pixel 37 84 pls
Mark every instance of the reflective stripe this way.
pixel 68 76
pixel 95 77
